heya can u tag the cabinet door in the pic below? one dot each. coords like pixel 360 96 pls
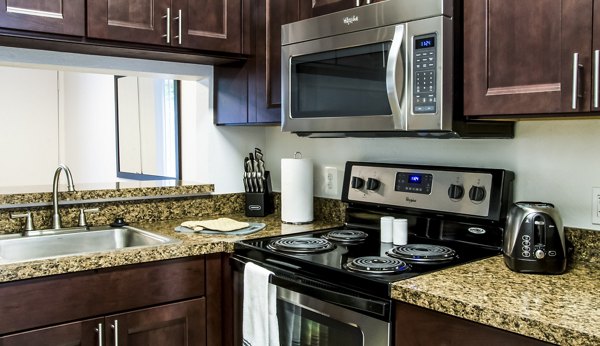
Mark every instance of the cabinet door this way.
pixel 313 8
pixel 420 326
pixel 179 324
pixel 76 333
pixel 266 79
pixel 50 16
pixel 214 25
pixel 142 21
pixel 518 56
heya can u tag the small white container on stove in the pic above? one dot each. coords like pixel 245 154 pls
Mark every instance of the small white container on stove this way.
pixel 400 232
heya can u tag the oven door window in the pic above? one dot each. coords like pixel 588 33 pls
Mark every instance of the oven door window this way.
pixel 340 83
pixel 302 327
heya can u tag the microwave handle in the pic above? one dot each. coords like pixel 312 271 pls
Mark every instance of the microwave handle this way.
pixel 395 72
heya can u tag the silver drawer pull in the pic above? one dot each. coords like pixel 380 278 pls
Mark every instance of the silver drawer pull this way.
pixel 576 69
pixel 168 18
pixel 100 333
pixel 115 327
pixel 596 78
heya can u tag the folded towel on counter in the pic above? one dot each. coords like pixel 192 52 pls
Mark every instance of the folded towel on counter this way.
pixel 222 224
pixel 260 326
pixel 252 228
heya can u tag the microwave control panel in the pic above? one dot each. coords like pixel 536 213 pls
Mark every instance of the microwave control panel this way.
pixel 424 74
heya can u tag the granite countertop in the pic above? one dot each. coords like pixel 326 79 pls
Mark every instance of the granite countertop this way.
pixel 191 245
pixel 562 309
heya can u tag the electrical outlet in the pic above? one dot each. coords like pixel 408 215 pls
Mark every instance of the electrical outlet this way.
pixel 596 205
pixel 331 181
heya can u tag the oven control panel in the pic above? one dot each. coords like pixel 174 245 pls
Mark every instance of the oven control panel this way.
pixel 438 189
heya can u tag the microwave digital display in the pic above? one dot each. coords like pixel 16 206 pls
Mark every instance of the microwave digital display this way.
pixel 427 42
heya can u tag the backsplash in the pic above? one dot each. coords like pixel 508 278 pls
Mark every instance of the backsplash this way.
pixel 148 204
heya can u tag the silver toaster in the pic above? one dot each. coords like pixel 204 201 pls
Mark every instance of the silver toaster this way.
pixel 534 239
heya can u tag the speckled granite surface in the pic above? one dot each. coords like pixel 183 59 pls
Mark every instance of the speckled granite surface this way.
pixel 189 245
pixel 562 309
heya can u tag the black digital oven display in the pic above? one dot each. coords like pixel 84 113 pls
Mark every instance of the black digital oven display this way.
pixel 413 182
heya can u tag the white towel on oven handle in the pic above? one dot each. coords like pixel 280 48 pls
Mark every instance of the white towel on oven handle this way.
pixel 260 326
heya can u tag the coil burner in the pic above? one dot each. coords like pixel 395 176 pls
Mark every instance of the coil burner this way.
pixel 346 236
pixel 377 265
pixel 301 245
pixel 423 253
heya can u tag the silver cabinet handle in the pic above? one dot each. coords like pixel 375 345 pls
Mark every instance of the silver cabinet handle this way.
pixel 357 3
pixel 168 18
pixel 576 68
pixel 596 78
pixel 100 334
pixel 179 20
pixel 115 327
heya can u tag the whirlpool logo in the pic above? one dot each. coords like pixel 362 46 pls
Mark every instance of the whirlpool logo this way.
pixel 411 200
pixel 350 20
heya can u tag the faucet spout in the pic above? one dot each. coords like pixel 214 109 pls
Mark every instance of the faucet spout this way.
pixel 56 223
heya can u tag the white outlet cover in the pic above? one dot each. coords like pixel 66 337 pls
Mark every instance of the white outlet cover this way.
pixel 596 205
pixel 331 181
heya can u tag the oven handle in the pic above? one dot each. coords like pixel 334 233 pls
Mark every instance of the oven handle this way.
pixel 377 308
pixel 394 78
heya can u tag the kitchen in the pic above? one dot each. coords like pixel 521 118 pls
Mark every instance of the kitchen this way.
pixel 538 146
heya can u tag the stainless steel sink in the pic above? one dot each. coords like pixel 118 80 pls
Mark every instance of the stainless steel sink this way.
pixel 96 239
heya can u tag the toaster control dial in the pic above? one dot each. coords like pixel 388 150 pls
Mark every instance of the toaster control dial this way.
pixel 477 193
pixel 539 254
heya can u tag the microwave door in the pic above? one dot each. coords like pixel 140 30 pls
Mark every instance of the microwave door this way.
pixel 340 83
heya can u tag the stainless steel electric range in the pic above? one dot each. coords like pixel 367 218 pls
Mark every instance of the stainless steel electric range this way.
pixel 334 285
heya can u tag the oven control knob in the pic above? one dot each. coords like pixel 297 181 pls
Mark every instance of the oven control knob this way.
pixel 373 184
pixel 357 182
pixel 477 193
pixel 456 191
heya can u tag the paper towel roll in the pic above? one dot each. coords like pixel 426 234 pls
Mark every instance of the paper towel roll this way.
pixel 296 190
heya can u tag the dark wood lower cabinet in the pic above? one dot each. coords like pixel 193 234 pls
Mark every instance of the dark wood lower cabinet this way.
pixel 159 303
pixel 420 326
pixel 76 333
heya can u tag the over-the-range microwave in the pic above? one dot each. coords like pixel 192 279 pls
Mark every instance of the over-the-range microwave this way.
pixel 390 68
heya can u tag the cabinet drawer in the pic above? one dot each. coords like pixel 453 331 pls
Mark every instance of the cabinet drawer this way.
pixel 45 301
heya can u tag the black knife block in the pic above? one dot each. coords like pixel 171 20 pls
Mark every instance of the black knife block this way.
pixel 260 203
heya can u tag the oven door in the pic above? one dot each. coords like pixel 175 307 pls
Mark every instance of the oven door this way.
pixel 313 312
pixel 305 320
pixel 345 82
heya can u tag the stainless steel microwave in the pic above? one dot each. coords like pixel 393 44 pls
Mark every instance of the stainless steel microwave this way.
pixel 387 68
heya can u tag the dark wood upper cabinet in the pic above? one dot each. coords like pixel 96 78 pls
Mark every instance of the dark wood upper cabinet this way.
pixel 51 16
pixel 209 24
pixel 250 92
pixel 204 24
pixel 519 56
pixel 316 8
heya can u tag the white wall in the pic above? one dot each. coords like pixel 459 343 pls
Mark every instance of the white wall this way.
pixel 213 154
pixel 88 144
pixel 554 161
pixel 28 126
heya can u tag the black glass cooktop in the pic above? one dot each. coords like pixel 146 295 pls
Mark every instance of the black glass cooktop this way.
pixel 341 260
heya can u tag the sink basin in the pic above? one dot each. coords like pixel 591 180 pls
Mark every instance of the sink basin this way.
pixel 96 239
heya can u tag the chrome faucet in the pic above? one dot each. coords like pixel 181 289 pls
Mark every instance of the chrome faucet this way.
pixel 56 224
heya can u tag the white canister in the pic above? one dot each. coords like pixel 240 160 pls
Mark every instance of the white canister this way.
pixel 297 190
pixel 400 232
pixel 385 225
